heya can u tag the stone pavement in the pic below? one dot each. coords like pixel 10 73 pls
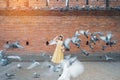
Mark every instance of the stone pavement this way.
pixel 93 71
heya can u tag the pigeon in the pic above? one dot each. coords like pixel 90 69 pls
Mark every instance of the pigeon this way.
pixel 104 47
pixel 15 57
pixel 89 44
pixel 19 66
pixel 66 43
pixel 107 58
pixel 35 75
pixel 34 64
pixel 91 47
pixel 107 38
pixel 53 67
pixel 57 68
pixel 77 34
pixel 76 41
pixel 69 70
pixel 93 39
pixel 17 45
pixel 68 57
pixel 85 33
pixel 99 33
pixel 84 52
pixel 9 76
pixel 72 60
pixel 2 54
pixel 13 45
pixel 4 62
pixel 112 43
pixel 67 3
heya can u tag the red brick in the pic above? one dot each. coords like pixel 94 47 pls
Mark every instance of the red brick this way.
pixel 39 29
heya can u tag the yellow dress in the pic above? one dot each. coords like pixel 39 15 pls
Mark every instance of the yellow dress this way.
pixel 58 53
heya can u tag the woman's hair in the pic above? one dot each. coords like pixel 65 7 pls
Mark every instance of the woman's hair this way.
pixel 60 37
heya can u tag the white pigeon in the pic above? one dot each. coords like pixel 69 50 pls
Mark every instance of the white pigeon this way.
pixel 15 57
pixel 67 3
pixel 71 70
pixel 34 64
pixel 109 36
pixel 19 66
pixel 108 58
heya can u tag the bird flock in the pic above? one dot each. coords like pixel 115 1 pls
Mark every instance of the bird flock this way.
pixel 70 66
pixel 5 59
pixel 91 39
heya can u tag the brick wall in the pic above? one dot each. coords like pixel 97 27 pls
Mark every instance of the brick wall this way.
pixel 54 3
pixel 38 29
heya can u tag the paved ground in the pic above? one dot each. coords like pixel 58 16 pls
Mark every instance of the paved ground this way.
pixel 93 71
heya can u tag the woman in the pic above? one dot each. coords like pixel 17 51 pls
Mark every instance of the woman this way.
pixel 58 53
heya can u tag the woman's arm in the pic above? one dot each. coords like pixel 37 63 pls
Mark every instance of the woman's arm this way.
pixel 56 38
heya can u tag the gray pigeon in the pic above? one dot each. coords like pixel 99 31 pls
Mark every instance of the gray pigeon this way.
pixel 85 33
pixel 76 41
pixel 34 64
pixel 108 39
pixel 35 75
pixel 13 45
pixel 84 52
pixel 66 43
pixel 9 76
pixel 4 62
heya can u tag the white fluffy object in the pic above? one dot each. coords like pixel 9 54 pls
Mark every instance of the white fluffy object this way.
pixel 71 70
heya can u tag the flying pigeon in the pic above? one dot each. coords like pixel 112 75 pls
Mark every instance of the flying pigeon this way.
pixel 108 39
pixel 85 33
pixel 108 58
pixel 76 41
pixel 71 70
pixel 34 64
pixel 66 43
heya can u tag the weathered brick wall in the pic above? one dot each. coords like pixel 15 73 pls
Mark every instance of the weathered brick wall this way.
pixel 2 4
pixel 54 3
pixel 39 29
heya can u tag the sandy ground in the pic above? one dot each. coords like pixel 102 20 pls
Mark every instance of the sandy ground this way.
pixel 93 71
